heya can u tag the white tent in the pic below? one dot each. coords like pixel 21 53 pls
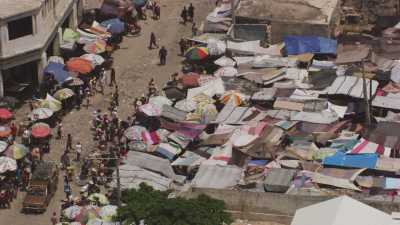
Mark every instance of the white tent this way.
pixel 340 211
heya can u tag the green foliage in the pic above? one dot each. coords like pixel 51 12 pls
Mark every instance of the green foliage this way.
pixel 155 208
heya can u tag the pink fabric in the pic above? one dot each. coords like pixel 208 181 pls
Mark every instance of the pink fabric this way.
pixel 360 147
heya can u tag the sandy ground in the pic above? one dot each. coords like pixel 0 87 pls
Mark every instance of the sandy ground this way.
pixel 135 64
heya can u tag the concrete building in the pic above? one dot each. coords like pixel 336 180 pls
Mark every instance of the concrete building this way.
pixel 286 17
pixel 30 31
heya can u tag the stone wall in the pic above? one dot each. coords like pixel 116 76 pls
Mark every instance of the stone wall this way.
pixel 272 206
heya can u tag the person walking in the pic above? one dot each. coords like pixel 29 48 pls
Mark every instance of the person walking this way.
pixel 184 15
pixel 69 143
pixel 113 80
pixel 54 219
pixel 194 30
pixel 182 46
pixel 163 55
pixel 157 11
pixel 191 12
pixel 78 149
pixel 60 130
pixel 153 41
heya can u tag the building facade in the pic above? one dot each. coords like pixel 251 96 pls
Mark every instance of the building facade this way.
pixel 289 17
pixel 30 32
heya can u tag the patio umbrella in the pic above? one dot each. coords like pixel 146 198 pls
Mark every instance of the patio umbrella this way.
pixel 107 212
pixel 79 65
pixel 63 94
pixel 40 114
pixel 96 47
pixel 17 151
pixel 72 212
pixel 114 26
pixel 135 132
pixel 5 131
pixel 56 59
pixel 40 130
pixel 96 60
pixel 50 103
pixel 70 35
pixel 5 114
pixel 3 146
pixel 102 199
pixel 7 164
pixel 58 70
pixel 196 53
pixel 75 82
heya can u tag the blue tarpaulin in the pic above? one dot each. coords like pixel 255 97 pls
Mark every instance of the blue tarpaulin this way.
pixel 296 45
pixel 354 161
pixel 114 26
pixel 57 69
pixel 258 162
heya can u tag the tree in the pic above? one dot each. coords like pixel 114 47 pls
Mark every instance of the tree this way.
pixel 155 208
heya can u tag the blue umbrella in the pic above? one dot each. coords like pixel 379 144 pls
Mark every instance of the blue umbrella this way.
pixel 115 26
pixel 57 69
pixel 139 3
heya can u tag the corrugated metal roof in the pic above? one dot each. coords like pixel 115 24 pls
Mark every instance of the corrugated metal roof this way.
pixel 217 176
pixel 352 86
pixel 152 163
pixel 133 176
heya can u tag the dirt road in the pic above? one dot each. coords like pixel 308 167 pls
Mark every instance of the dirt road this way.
pixel 135 64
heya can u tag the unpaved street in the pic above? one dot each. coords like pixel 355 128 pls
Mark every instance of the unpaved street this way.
pixel 135 64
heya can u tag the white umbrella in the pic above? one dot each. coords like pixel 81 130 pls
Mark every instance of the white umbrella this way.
pixel 107 212
pixel 72 212
pixel 226 72
pixel 56 59
pixel 40 114
pixel 7 164
pixel 96 60
pixel 3 146
pixel 98 221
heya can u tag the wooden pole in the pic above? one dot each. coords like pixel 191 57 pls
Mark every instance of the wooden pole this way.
pixel 366 98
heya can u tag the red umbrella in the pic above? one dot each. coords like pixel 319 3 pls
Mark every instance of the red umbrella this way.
pixel 79 65
pixel 5 114
pixel 40 130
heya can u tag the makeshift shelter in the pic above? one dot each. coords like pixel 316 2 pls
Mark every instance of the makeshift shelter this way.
pixel 339 211
pixel 216 176
pixel 58 71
